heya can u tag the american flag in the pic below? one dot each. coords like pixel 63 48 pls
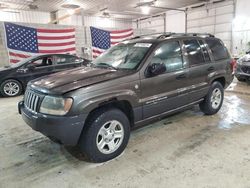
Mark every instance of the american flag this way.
pixel 103 40
pixel 23 42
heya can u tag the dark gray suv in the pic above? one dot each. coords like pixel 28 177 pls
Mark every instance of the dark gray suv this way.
pixel 131 84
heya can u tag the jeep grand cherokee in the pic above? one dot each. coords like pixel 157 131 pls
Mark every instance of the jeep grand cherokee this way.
pixel 132 83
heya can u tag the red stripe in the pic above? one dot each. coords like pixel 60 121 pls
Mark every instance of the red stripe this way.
pixel 121 31
pixel 18 55
pixel 114 43
pixel 57 51
pixel 56 38
pixel 14 60
pixel 97 51
pixel 55 30
pixel 121 36
pixel 57 44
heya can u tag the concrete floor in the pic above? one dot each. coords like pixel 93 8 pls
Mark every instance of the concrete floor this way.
pixel 184 150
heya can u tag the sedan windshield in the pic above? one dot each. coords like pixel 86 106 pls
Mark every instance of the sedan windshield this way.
pixel 123 56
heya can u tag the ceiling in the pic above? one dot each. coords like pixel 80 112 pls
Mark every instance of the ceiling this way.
pixel 122 7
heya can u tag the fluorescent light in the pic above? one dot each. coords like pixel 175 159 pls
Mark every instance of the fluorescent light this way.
pixel 145 9
pixel 70 11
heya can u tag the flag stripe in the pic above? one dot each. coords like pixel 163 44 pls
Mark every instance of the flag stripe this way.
pixel 56 44
pixel 55 34
pixel 55 30
pixel 121 36
pixel 56 47
pixel 18 55
pixel 55 38
pixel 121 31
pixel 14 60
pixel 57 51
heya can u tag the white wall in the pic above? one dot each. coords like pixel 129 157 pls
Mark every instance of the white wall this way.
pixel 241 27
pixel 215 19
pixel 175 21
pixel 25 16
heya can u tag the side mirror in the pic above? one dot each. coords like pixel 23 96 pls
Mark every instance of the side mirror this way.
pixel 248 52
pixel 156 69
pixel 30 67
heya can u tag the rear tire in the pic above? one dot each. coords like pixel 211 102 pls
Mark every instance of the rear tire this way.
pixel 213 100
pixel 240 79
pixel 106 135
pixel 11 88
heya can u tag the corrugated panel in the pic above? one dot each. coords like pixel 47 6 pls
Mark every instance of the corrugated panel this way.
pixel 215 19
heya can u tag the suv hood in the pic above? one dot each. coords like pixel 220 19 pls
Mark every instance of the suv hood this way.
pixel 72 79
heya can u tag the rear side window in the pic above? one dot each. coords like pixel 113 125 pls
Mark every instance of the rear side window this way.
pixel 219 51
pixel 194 52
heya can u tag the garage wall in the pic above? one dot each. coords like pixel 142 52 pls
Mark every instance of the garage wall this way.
pixel 25 16
pixel 241 27
pixel 175 21
pixel 214 18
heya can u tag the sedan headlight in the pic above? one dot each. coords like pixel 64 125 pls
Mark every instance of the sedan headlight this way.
pixel 56 105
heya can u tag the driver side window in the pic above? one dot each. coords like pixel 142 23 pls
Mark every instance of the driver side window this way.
pixel 170 55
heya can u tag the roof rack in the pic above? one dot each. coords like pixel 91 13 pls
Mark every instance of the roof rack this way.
pixel 170 34
pixel 165 35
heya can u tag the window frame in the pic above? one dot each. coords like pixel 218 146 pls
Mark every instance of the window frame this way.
pixel 186 55
pixel 160 45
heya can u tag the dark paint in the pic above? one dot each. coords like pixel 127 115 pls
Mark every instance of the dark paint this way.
pixel 150 97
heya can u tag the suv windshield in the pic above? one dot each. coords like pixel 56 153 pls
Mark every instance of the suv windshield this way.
pixel 123 56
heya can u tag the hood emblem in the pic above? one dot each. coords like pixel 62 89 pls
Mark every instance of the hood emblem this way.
pixel 136 86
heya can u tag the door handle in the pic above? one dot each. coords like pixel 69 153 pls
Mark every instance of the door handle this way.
pixel 210 69
pixel 181 76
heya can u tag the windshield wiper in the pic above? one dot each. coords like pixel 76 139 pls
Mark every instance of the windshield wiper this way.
pixel 106 65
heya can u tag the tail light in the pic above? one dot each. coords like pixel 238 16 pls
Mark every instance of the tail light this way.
pixel 233 64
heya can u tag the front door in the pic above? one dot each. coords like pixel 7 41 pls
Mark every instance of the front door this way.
pixel 40 67
pixel 160 92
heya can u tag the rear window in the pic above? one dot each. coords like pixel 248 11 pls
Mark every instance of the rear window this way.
pixel 219 51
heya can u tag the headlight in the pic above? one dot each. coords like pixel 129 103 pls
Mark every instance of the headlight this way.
pixel 56 105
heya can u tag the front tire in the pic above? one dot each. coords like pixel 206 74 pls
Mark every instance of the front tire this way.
pixel 106 135
pixel 213 100
pixel 11 88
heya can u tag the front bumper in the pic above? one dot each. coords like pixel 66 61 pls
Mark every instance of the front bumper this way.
pixel 242 71
pixel 65 129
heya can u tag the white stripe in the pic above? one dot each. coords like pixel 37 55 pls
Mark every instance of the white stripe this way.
pixel 55 34
pixel 119 40
pixel 120 34
pixel 56 41
pixel 56 47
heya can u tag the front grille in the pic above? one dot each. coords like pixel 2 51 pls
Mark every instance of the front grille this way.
pixel 246 69
pixel 31 100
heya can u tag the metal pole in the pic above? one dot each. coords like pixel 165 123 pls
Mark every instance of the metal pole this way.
pixel 186 14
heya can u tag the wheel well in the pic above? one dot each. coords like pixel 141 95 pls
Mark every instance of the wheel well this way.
pixel 222 80
pixel 123 105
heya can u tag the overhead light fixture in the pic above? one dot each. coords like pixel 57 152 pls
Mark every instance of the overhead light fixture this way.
pixel 145 9
pixel 70 11
pixel 145 6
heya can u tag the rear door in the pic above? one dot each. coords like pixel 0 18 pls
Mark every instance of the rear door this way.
pixel 159 93
pixel 200 65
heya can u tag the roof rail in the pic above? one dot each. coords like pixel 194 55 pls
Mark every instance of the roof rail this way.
pixel 170 34
pixel 165 35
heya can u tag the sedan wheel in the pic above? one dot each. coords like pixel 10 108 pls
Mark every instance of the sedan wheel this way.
pixel 11 88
